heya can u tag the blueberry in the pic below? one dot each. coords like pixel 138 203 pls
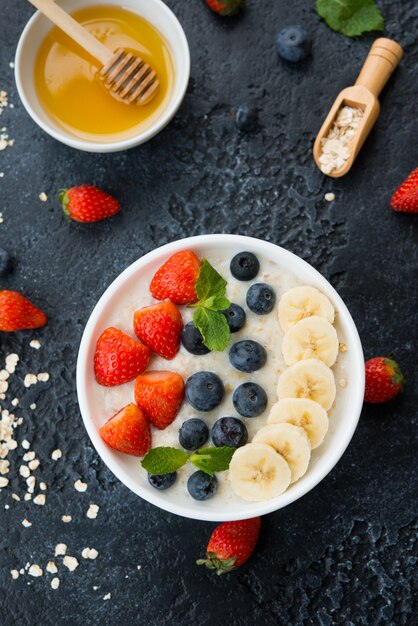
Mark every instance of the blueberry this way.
pixel 249 399
pixel 192 340
pixel 6 262
pixel 247 356
pixel 204 391
pixel 293 44
pixel 162 481
pixel 193 434
pixel 245 117
pixel 235 316
pixel 261 298
pixel 244 266
pixel 229 431
pixel 201 486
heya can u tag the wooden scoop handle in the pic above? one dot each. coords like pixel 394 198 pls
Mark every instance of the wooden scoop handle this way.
pixel 73 29
pixel 381 61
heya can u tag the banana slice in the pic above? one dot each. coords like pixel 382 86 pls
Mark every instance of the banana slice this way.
pixel 291 442
pixel 301 302
pixel 304 413
pixel 311 338
pixel 257 472
pixel 310 379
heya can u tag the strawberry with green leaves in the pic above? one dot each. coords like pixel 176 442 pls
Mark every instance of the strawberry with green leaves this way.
pixel 18 313
pixel 160 395
pixel 231 545
pixel 128 431
pixel 384 380
pixel 159 327
pixel 175 280
pixel 226 7
pixel 87 203
pixel 119 358
pixel 405 198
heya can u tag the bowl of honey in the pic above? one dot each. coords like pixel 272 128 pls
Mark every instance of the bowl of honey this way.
pixel 58 82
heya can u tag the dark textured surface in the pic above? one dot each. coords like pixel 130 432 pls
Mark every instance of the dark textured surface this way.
pixel 344 554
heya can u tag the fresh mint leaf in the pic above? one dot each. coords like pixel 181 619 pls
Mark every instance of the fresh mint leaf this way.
pixel 214 328
pixel 351 17
pixel 164 460
pixel 212 460
pixel 209 283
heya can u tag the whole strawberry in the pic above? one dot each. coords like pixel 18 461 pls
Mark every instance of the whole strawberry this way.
pixel 18 313
pixel 159 395
pixel 119 358
pixel 176 279
pixel 87 203
pixel 226 7
pixel 405 198
pixel 231 544
pixel 128 431
pixel 159 326
pixel 384 380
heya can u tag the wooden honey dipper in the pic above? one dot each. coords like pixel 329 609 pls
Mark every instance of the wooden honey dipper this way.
pixel 384 56
pixel 126 76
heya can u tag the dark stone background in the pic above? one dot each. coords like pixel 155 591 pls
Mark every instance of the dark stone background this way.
pixel 346 553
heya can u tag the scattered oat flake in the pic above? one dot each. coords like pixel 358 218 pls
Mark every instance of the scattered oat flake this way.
pixel 60 549
pixel 40 499
pixel 43 377
pixel 343 382
pixel 330 197
pixel 70 562
pixel 35 343
pixel 80 486
pixel 51 567
pixel 14 573
pixel 66 519
pixel 92 511
pixel 30 379
pixel 26 523
pixel 43 197
pixel 55 583
pixel 57 454
pixel 35 570
pixel 107 596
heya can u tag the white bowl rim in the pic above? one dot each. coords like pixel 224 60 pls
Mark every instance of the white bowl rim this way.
pixel 115 146
pixel 255 508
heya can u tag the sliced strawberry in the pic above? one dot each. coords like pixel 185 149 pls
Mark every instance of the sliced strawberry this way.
pixel 18 313
pixel 405 198
pixel 128 431
pixel 176 279
pixel 119 358
pixel 159 394
pixel 159 326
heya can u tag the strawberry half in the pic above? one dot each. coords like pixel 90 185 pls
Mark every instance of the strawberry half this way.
pixel 231 544
pixel 405 198
pixel 87 203
pixel 159 326
pixel 119 358
pixel 128 431
pixel 18 313
pixel 225 7
pixel 176 279
pixel 159 394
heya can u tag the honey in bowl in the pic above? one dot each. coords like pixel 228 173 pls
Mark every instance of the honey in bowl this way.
pixel 69 88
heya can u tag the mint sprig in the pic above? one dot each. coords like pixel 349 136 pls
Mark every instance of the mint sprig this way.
pixel 211 289
pixel 164 460
pixel 350 17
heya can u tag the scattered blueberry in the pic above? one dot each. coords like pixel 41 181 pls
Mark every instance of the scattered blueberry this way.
pixel 247 356
pixel 229 431
pixel 235 316
pixel 201 486
pixel 193 434
pixel 162 481
pixel 204 391
pixel 245 117
pixel 192 340
pixel 249 399
pixel 261 298
pixel 293 44
pixel 6 262
pixel 244 266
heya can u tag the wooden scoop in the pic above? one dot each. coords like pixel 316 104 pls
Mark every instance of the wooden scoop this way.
pixel 126 76
pixel 381 61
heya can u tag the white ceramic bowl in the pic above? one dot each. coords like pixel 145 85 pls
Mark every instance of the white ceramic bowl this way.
pixel 158 14
pixel 343 421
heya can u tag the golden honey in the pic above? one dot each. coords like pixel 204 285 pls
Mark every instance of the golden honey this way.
pixel 67 83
